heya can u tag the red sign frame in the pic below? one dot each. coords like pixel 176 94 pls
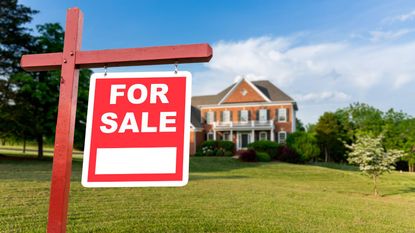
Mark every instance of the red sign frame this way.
pixel 129 140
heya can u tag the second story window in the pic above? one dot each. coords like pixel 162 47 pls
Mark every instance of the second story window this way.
pixel 210 117
pixel 282 115
pixel 226 116
pixel 263 115
pixel 243 116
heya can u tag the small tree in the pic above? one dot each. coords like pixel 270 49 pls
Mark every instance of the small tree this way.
pixel 372 158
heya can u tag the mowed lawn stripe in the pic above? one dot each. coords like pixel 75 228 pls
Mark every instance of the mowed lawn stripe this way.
pixel 223 195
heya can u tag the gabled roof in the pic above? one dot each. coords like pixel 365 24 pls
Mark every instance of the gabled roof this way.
pixel 195 117
pixel 235 87
pixel 268 89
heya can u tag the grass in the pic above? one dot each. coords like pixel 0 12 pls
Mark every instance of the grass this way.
pixel 223 195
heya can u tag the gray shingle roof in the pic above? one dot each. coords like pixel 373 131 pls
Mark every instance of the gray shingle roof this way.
pixel 265 86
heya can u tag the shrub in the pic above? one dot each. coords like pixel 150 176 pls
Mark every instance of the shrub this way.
pixel 263 157
pixel 198 153
pixel 286 154
pixel 269 147
pixel 220 152
pixel 211 143
pixel 247 155
pixel 227 145
pixel 228 153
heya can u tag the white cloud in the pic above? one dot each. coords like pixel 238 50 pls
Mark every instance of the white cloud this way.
pixel 379 35
pixel 326 71
pixel 319 97
pixel 401 18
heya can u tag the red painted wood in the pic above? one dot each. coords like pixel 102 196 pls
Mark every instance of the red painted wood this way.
pixel 122 57
pixel 69 61
pixel 62 159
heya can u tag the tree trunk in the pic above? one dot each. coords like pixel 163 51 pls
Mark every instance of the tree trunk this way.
pixel 24 145
pixel 39 147
pixel 326 154
pixel 375 189
pixel 3 141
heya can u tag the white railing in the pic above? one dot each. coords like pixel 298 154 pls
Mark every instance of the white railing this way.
pixel 236 124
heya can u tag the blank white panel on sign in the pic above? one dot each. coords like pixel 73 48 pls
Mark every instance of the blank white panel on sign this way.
pixel 159 160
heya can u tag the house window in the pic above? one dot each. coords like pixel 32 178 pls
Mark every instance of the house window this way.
pixel 282 136
pixel 226 116
pixel 210 136
pixel 263 136
pixel 243 116
pixel 282 115
pixel 263 115
pixel 209 117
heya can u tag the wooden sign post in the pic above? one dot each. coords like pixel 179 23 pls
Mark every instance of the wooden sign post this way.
pixel 70 61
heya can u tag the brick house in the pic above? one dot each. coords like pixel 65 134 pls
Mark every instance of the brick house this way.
pixel 243 113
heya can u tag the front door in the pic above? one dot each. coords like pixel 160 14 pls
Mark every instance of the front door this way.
pixel 244 139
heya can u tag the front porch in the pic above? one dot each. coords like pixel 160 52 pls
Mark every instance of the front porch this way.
pixel 242 138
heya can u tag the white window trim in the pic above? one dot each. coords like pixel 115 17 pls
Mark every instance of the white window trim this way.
pixel 261 134
pixel 227 138
pixel 285 136
pixel 247 116
pixel 210 133
pixel 210 118
pixel 278 115
pixel 229 116
pixel 264 111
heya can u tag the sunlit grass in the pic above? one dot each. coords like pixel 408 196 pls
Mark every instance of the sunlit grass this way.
pixel 223 195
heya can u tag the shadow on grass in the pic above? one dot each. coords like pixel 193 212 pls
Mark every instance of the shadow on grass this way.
pixel 29 168
pixel 208 177
pixel 400 191
pixel 336 166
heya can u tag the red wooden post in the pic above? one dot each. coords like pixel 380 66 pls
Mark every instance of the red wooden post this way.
pixel 65 126
pixel 69 61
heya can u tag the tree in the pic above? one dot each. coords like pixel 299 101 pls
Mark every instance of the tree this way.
pixel 330 136
pixel 369 153
pixel 37 93
pixel 15 40
pixel 299 126
pixel 304 144
pixel 365 118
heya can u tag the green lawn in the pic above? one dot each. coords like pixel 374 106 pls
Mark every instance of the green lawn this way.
pixel 223 195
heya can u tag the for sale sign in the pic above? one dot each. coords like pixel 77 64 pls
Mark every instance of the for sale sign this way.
pixel 137 132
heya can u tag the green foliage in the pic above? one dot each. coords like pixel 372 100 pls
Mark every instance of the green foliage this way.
pixel 228 153
pixel 269 147
pixel 369 153
pixel 299 126
pixel 263 156
pixel 304 144
pixel 227 145
pixel 216 148
pixel 330 135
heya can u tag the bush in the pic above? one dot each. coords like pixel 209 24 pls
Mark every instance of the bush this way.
pixel 247 155
pixel 263 157
pixel 216 148
pixel 269 147
pixel 228 153
pixel 220 152
pixel 198 153
pixel 286 154
pixel 227 145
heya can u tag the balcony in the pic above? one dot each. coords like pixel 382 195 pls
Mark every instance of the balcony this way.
pixel 220 125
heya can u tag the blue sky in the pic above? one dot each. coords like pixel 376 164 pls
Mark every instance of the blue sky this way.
pixel 325 54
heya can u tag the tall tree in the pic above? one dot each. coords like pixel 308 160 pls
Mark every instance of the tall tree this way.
pixel 37 93
pixel 330 136
pixel 15 40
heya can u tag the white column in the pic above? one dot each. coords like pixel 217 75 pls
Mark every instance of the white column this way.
pixel 214 134
pixel 252 136
pixel 272 135
pixel 237 141
pixel 231 136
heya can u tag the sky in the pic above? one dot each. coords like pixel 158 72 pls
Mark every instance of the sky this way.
pixel 324 54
